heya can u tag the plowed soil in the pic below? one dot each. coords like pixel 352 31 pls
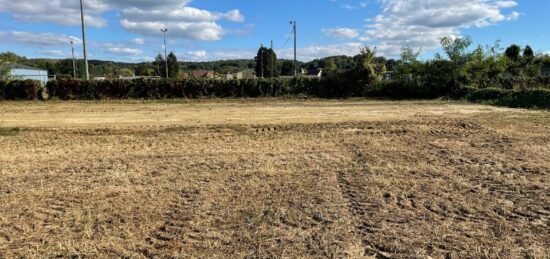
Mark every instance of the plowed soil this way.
pixel 273 179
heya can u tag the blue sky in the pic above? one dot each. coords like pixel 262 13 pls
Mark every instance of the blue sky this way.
pixel 129 30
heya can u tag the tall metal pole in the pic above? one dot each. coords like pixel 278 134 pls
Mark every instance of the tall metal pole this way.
pixel 295 59
pixel 87 71
pixel 262 60
pixel 74 61
pixel 165 52
pixel 272 59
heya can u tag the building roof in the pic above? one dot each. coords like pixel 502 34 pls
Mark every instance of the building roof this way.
pixel 20 66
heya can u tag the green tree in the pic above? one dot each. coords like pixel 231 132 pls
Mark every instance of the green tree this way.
pixel 5 74
pixel 145 69
pixel 160 66
pixel 513 52
pixel 287 68
pixel 365 67
pixel 266 62
pixel 456 49
pixel 331 66
pixel 173 65
pixel 126 72
pixel 409 62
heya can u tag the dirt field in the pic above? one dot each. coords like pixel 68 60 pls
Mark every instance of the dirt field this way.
pixel 273 179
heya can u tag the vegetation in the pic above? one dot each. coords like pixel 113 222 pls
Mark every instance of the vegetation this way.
pixel 266 63
pixel 273 179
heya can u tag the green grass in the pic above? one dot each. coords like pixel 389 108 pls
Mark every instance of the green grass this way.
pixel 8 132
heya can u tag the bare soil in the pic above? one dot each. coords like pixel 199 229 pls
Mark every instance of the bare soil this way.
pixel 273 179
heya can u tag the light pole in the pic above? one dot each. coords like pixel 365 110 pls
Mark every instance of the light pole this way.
pixel 87 71
pixel 74 60
pixel 165 52
pixel 295 60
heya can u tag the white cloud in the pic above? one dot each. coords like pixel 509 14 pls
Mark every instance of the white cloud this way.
pixel 199 54
pixel 319 51
pixel 138 41
pixel 57 53
pixel 341 33
pixel 421 23
pixel 123 51
pixel 144 17
pixel 37 39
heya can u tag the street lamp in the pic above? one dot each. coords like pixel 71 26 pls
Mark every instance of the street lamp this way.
pixel 84 42
pixel 74 60
pixel 165 52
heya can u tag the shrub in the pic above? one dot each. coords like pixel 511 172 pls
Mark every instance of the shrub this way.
pixel 21 90
pixel 487 94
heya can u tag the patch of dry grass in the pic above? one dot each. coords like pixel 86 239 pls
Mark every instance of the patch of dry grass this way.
pixel 344 180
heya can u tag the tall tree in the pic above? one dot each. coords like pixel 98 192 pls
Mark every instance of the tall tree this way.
pixel 287 68
pixel 159 65
pixel 5 71
pixel 266 62
pixel 513 52
pixel 173 65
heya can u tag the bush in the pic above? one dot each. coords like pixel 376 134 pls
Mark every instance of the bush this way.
pixel 527 98
pixel 487 94
pixel 21 90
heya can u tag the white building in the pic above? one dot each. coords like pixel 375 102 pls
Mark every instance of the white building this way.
pixel 23 72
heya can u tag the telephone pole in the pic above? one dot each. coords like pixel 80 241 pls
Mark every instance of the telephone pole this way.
pixel 272 59
pixel 295 40
pixel 262 60
pixel 74 61
pixel 165 51
pixel 87 71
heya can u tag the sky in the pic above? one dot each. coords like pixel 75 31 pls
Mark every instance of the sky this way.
pixel 199 30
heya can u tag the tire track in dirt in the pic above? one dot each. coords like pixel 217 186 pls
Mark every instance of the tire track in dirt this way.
pixel 354 190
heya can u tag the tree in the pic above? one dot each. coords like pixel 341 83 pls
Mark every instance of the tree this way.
pixel 160 66
pixel 409 62
pixel 287 68
pixel 266 61
pixel 126 72
pixel 173 65
pixel 145 70
pixel 331 66
pixel 513 52
pixel 528 53
pixel 456 49
pixel 5 71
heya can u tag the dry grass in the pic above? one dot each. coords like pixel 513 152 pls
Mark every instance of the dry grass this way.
pixel 276 179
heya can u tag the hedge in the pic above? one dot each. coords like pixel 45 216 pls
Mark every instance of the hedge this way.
pixel 332 87
pixel 527 98
pixel 20 90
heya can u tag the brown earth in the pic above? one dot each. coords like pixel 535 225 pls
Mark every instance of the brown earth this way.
pixel 273 179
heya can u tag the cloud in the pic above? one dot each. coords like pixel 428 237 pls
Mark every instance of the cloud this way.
pixel 143 17
pixel 421 23
pixel 197 55
pixel 55 11
pixel 138 41
pixel 123 51
pixel 319 51
pixel 37 39
pixel 341 33
pixel 354 7
pixel 57 53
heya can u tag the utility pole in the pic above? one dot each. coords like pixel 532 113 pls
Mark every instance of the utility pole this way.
pixel 165 51
pixel 87 71
pixel 262 60
pixel 272 59
pixel 295 40
pixel 74 61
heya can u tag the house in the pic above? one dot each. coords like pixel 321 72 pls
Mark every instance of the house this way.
pixel 247 74
pixel 202 74
pixel 312 73
pixel 29 73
